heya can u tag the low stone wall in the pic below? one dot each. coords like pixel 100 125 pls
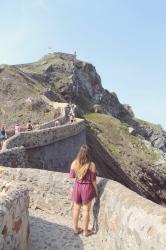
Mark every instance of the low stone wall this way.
pixel 14 220
pixel 62 120
pixel 123 219
pixel 38 138
pixel 51 148
pixel 56 156
pixel 15 157
pixel 128 221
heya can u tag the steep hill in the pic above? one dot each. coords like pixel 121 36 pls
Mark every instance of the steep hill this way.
pixel 77 81
pixel 20 98
pixel 124 147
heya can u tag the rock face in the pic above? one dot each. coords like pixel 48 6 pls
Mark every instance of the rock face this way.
pixel 151 132
pixel 129 109
pixel 76 81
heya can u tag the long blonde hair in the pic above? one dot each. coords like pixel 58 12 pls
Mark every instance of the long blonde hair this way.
pixel 82 162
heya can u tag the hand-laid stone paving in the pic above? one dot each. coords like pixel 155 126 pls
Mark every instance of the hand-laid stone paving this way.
pixel 54 232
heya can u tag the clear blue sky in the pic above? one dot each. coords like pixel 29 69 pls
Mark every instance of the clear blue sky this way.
pixel 124 39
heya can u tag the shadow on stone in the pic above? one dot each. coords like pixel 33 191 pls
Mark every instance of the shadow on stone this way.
pixel 45 235
pixel 96 207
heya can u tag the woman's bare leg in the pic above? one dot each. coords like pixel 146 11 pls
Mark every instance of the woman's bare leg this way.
pixel 86 217
pixel 76 213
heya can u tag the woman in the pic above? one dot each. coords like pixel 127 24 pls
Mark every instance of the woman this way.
pixel 84 189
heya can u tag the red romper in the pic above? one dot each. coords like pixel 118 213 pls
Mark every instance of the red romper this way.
pixel 83 190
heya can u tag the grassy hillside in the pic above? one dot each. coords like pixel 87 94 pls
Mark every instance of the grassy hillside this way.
pixel 124 157
pixel 124 147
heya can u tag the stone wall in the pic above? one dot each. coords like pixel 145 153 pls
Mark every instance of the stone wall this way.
pixel 38 138
pixel 56 156
pixel 14 220
pixel 52 148
pixel 15 157
pixel 63 118
pixel 128 221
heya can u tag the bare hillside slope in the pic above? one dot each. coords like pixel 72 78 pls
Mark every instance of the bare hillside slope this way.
pixel 20 98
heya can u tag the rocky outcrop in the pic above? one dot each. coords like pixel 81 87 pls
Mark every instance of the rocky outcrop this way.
pixel 15 157
pixel 14 217
pixel 152 133
pixel 76 81
pixel 128 108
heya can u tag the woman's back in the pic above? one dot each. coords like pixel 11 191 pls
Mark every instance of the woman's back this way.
pixel 84 189
pixel 89 176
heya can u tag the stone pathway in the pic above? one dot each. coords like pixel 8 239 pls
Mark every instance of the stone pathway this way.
pixel 54 232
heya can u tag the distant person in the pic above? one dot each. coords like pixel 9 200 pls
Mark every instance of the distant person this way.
pixel 71 116
pixel 3 135
pixel 29 126
pixel 72 113
pixel 84 189
pixel 17 128
pixel 57 123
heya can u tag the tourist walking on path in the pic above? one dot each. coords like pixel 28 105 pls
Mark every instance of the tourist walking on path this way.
pixel 57 123
pixel 3 135
pixel 17 128
pixel 29 126
pixel 72 112
pixel 84 189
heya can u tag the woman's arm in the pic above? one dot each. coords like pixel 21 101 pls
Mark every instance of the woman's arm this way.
pixel 72 171
pixel 95 186
pixel 93 170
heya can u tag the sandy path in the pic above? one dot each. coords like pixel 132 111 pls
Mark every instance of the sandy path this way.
pixel 54 232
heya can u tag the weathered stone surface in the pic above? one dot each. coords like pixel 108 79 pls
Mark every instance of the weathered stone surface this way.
pixel 128 221
pixel 15 157
pixel 56 156
pixel 38 138
pixel 45 148
pixel 14 202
